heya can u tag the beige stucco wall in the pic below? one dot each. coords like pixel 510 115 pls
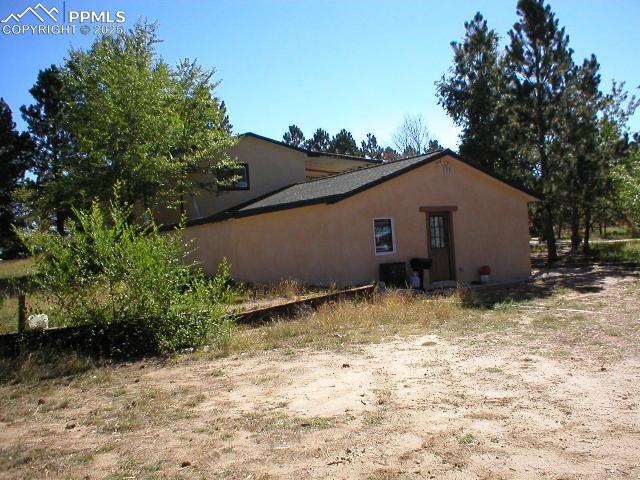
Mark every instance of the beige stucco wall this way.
pixel 324 165
pixel 322 244
pixel 270 167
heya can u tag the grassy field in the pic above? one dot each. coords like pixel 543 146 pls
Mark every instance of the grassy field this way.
pixel 12 274
pixel 8 313
pixel 15 268
pixel 34 303
pixel 612 233
pixel 626 251
pixel 11 270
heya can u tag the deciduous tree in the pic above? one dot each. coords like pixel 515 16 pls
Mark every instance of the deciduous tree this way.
pixel 137 121
pixel 411 137
pixel 389 154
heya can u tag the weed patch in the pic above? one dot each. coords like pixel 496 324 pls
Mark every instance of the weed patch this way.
pixel 42 365
pixel 616 251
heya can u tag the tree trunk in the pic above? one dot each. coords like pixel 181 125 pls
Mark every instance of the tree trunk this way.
pixel 182 208
pixel 552 252
pixel 587 230
pixel 550 236
pixel 60 221
pixel 575 229
pixel 55 170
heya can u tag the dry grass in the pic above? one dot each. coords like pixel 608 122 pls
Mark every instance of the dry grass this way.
pixel 435 402
pixel 287 289
pixel 389 314
pixel 253 297
pixel 341 326
pixel 33 367
pixel 259 422
pixel 333 326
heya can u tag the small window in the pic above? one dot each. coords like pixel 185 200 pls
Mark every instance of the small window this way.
pixel 240 175
pixel 383 236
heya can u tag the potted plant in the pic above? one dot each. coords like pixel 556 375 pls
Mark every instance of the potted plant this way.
pixel 484 272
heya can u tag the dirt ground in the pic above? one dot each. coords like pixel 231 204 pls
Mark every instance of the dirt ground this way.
pixel 554 394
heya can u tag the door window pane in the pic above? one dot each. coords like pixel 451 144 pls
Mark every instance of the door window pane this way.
pixel 437 231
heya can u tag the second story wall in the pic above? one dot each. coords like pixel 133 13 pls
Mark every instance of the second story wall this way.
pixel 322 165
pixel 269 167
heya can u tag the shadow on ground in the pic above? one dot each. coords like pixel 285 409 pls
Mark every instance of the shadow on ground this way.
pixel 574 273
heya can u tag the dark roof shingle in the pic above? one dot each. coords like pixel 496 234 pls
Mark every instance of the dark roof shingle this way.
pixel 334 187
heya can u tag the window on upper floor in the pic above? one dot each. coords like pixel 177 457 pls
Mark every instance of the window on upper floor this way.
pixel 234 178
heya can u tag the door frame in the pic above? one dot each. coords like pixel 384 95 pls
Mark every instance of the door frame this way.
pixel 447 210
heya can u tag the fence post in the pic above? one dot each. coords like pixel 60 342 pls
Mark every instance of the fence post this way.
pixel 21 312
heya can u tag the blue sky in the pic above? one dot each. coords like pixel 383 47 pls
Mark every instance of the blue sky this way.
pixel 359 65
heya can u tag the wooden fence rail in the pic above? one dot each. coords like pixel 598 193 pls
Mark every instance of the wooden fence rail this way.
pixel 94 340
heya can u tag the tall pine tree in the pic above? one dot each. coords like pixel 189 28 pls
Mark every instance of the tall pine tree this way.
pixel 538 62
pixel 14 161
pixel 52 193
pixel 586 175
pixel 320 142
pixel 370 147
pixel 294 137
pixel 343 143
pixel 472 94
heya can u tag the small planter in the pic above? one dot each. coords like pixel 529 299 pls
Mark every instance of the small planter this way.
pixel 484 272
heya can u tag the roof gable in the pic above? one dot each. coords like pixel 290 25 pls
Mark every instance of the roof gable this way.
pixel 337 187
pixel 334 188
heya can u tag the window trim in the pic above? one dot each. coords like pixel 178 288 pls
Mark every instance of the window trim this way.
pixel 393 237
pixel 228 188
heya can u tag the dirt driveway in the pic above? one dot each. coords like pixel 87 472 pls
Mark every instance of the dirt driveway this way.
pixel 551 390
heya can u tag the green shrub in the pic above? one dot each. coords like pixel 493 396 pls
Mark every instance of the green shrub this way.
pixel 131 282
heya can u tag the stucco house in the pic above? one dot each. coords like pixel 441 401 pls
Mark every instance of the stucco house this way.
pixel 332 219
